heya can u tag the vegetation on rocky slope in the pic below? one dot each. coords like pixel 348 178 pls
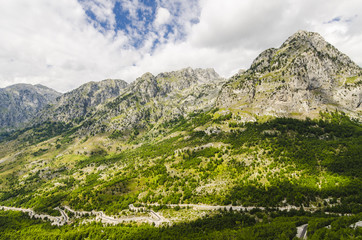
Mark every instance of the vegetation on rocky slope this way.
pixel 208 158
pixel 161 142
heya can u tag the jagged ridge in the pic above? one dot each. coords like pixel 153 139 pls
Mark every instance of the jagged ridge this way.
pixel 81 102
pixel 154 99
pixel 21 102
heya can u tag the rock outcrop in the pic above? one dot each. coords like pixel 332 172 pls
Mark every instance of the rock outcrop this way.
pixel 21 102
pixel 80 103
pixel 302 77
pixel 155 99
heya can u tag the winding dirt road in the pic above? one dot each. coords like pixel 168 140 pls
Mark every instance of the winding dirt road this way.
pixel 221 207
pixel 59 221
pixel 154 217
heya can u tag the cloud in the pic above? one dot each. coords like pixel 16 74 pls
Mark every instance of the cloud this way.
pixel 63 44
pixel 163 16
pixel 102 12
pixel 230 34
pixel 42 33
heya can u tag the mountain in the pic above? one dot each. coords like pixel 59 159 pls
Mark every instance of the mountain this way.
pixel 113 105
pixel 270 153
pixel 81 101
pixel 153 100
pixel 21 102
pixel 302 77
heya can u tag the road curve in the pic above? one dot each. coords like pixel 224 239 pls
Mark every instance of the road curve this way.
pixel 59 221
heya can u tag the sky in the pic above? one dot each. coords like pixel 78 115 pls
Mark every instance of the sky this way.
pixel 63 44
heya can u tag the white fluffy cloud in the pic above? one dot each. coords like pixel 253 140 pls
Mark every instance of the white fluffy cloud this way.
pixel 56 44
pixel 231 33
pixel 163 16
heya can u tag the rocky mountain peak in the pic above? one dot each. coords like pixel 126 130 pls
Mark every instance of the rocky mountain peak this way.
pixel 189 74
pixel 97 92
pixel 149 77
pixel 20 102
pixel 185 78
pixel 154 99
pixel 94 86
pixel 305 75
pixel 150 86
pixel 146 85
pixel 322 63
pixel 18 88
pixel 305 37
pixel 308 49
pixel 112 83
pixel 80 101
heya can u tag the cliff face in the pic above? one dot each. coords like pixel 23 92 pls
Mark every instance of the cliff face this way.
pixel 21 102
pixel 305 75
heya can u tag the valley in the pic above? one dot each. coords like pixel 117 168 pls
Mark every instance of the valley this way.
pixel 189 154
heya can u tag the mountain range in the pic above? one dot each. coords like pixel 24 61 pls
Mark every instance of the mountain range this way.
pixel 278 145
pixel 302 77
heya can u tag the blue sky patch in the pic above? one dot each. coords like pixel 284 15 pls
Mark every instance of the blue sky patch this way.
pixel 341 19
pixel 336 19
pixel 136 20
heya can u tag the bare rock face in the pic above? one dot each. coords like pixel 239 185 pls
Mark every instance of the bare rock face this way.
pixel 82 101
pixel 155 99
pixel 305 75
pixel 21 102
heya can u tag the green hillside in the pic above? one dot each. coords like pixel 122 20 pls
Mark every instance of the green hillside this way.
pixel 271 153
pixel 279 162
